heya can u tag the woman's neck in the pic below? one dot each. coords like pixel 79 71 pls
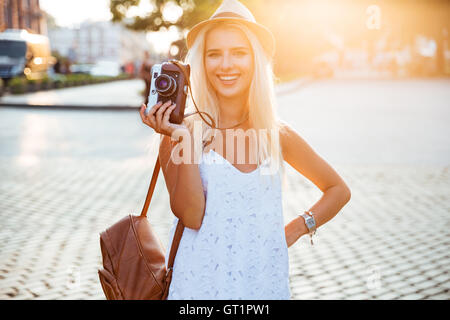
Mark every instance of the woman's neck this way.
pixel 232 111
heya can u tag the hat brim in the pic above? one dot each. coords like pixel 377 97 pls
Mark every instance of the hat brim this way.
pixel 264 35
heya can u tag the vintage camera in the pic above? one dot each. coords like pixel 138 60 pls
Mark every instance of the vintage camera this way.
pixel 170 82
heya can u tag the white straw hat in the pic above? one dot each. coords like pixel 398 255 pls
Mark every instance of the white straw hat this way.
pixel 233 10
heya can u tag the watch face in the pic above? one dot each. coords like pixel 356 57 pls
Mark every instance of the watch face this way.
pixel 310 222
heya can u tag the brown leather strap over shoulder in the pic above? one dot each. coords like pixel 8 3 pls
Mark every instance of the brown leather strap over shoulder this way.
pixel 180 226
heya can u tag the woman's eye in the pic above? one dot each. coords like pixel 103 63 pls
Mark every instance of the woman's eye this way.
pixel 213 55
pixel 241 53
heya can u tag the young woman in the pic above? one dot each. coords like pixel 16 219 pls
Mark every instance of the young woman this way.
pixel 235 244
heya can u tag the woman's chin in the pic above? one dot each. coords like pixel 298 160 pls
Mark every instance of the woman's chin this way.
pixel 230 93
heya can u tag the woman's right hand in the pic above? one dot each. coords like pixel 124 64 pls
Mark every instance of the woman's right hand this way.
pixel 158 118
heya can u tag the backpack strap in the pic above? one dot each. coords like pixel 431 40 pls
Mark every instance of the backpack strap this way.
pixel 151 188
pixel 180 226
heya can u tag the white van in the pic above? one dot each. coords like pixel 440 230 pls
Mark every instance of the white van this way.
pixel 24 53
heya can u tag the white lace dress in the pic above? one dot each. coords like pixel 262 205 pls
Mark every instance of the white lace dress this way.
pixel 240 250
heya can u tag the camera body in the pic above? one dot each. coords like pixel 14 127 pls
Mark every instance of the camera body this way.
pixel 170 82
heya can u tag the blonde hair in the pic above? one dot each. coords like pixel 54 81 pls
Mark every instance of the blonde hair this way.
pixel 261 99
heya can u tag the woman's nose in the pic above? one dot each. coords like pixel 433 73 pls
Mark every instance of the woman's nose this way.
pixel 227 62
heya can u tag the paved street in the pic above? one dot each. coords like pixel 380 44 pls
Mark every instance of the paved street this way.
pixel 111 94
pixel 68 174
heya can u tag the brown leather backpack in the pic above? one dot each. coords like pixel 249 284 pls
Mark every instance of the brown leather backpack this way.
pixel 134 258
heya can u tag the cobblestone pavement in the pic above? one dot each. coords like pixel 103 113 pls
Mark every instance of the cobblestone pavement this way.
pixel 66 175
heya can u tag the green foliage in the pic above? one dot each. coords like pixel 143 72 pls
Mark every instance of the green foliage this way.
pixel 194 11
pixel 17 81
pixel 45 80
pixel 19 85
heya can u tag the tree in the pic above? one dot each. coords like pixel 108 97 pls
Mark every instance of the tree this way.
pixel 194 11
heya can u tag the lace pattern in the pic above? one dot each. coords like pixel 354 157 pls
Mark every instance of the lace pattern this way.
pixel 240 251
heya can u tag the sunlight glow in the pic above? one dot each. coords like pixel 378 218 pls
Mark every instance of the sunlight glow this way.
pixel 161 40
pixel 72 13
pixel 143 9
pixel 172 12
pixel 34 140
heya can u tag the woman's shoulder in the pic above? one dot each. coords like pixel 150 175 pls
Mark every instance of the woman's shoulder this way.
pixel 193 120
pixel 282 124
pixel 285 130
pixel 289 137
pixel 188 121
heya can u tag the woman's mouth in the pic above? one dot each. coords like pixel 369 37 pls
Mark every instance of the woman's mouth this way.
pixel 228 79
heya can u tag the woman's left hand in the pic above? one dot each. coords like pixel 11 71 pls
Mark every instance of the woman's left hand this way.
pixel 294 230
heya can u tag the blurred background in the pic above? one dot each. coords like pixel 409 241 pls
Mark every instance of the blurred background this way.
pixel 323 38
pixel 366 83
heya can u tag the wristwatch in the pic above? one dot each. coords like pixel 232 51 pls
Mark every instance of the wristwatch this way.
pixel 310 223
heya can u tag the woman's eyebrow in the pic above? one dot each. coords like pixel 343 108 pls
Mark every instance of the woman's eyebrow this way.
pixel 234 48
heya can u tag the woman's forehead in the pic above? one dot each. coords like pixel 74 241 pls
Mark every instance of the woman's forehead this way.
pixel 224 37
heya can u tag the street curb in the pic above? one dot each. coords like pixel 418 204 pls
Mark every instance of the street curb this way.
pixel 291 87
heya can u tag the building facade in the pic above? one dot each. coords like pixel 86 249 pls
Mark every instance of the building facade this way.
pixel 93 41
pixel 22 14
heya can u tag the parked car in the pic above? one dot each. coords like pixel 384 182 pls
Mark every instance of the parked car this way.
pixel 24 53
pixel 106 68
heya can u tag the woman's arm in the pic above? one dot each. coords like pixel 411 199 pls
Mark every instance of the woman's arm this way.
pixel 307 162
pixel 183 181
pixel 184 185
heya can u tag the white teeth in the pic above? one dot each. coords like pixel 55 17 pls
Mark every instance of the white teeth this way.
pixel 228 78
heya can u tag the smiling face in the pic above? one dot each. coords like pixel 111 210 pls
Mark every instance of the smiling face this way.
pixel 228 61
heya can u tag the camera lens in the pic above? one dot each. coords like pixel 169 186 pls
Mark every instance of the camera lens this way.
pixel 165 85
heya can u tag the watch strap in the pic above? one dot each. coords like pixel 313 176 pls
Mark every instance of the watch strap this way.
pixel 310 223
